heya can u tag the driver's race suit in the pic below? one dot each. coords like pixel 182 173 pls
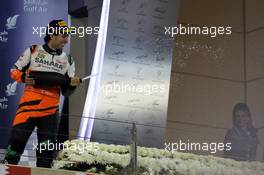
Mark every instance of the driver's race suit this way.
pixel 51 72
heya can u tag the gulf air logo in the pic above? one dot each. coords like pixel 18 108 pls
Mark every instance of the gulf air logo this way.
pixel 11 89
pixel 11 22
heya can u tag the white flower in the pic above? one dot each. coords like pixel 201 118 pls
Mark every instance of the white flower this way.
pixel 153 160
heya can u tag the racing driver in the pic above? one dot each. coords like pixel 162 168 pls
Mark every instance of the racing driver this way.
pixel 47 72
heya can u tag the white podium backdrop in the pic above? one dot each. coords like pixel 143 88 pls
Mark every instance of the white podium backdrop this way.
pixel 136 71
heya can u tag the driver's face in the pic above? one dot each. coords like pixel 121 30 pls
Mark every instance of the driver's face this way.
pixel 59 41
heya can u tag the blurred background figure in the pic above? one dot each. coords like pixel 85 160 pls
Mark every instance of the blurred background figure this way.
pixel 242 136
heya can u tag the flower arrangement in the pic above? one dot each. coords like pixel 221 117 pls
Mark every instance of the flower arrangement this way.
pixel 114 159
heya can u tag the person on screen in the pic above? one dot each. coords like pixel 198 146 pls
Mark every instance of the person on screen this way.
pixel 242 136
pixel 46 71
